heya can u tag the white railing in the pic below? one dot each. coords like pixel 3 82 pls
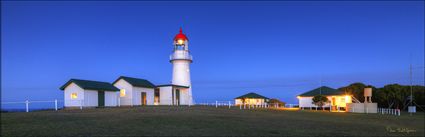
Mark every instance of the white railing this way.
pixel 257 105
pixel 355 100
pixel 27 103
pixel 217 104
pixel 181 55
pixel 389 111
pixel 230 104
pixel 291 105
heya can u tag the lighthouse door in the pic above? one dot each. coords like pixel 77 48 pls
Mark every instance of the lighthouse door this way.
pixel 178 96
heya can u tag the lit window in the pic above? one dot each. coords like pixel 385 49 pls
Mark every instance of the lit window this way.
pixel 74 96
pixel 122 93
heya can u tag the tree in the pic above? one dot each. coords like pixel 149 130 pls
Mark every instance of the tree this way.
pixel 320 100
pixel 357 90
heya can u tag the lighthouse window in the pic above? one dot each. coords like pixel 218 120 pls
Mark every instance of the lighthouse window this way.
pixel 179 47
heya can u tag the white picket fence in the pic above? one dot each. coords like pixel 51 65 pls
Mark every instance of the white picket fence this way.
pixel 389 111
pixel 230 104
pixel 27 103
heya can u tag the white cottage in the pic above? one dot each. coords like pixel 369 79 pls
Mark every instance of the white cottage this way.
pixel 251 99
pixel 337 99
pixel 135 91
pixel 87 93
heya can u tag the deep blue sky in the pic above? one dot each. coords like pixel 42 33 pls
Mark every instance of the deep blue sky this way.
pixel 277 49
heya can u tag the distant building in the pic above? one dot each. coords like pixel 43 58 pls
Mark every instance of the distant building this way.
pixel 89 93
pixel 251 99
pixel 337 98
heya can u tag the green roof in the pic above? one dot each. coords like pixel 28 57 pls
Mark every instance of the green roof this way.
pixel 91 85
pixel 137 82
pixel 251 95
pixel 324 90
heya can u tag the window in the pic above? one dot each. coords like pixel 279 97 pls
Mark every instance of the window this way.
pixel 74 96
pixel 122 93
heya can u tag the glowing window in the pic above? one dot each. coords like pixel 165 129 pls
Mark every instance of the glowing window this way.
pixel 122 93
pixel 74 96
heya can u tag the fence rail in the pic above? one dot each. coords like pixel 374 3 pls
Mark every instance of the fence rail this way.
pixel 27 103
pixel 389 111
pixel 230 104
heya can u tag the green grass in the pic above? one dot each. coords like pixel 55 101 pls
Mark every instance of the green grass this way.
pixel 201 120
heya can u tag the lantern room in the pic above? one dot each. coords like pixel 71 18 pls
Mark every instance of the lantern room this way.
pixel 180 41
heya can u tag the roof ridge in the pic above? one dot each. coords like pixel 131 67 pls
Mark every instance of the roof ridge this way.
pixel 72 79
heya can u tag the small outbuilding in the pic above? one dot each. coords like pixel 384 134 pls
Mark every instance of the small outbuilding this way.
pixel 251 99
pixel 171 94
pixel 135 91
pixel 87 93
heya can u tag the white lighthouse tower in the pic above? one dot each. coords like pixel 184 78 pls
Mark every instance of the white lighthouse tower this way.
pixel 181 59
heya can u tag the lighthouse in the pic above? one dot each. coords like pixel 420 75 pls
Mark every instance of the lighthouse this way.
pixel 180 58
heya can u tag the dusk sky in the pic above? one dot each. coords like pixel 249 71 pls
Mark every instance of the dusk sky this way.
pixel 276 49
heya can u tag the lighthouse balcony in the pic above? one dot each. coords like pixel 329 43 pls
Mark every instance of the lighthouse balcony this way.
pixel 181 56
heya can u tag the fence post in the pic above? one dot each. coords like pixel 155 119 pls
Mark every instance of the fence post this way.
pixel 81 104
pixel 216 105
pixel 26 105
pixel 56 104
pixel 119 101
pixel 229 104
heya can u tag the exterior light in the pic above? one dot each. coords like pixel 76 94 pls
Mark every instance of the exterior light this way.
pixel 347 99
pixel 180 42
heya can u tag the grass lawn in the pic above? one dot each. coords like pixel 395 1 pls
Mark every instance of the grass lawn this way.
pixel 202 120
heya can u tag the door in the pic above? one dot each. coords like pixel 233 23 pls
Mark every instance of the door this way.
pixel 143 98
pixel 178 96
pixel 101 98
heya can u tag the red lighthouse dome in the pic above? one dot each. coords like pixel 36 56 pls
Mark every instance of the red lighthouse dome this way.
pixel 181 36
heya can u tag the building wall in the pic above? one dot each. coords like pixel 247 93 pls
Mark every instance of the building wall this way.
pixel 127 99
pixel 111 98
pixel 306 102
pixel 73 88
pixel 165 95
pixel 137 95
pixel 184 96
pixel 340 101
pixel 181 74
pixel 181 71
pixel 90 98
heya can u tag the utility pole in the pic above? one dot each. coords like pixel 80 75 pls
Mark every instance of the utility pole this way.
pixel 411 85
pixel 320 84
